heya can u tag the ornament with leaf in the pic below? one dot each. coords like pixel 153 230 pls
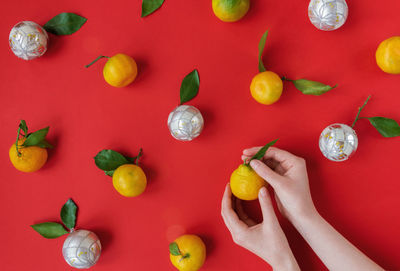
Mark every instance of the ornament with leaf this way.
pixel 185 122
pixel 51 230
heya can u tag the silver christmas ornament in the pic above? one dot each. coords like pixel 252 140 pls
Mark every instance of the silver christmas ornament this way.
pixel 327 15
pixel 28 40
pixel 338 142
pixel 81 249
pixel 185 122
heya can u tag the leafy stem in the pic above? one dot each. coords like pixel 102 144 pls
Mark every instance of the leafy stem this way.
pixel 16 143
pixel 359 111
pixel 286 79
pixel 174 250
pixel 138 156
pixel 94 61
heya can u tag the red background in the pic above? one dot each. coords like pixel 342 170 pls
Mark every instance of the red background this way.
pixel 186 179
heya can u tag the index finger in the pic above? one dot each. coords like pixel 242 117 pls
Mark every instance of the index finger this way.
pixel 272 153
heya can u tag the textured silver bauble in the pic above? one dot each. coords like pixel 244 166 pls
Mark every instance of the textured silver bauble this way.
pixel 185 122
pixel 81 249
pixel 28 40
pixel 328 15
pixel 338 142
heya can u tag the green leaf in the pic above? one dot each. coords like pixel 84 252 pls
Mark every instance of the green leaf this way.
pixel 109 160
pixel 36 138
pixel 68 214
pixel 45 144
pixel 261 45
pixel 386 127
pixel 174 249
pixel 149 6
pixel 309 87
pixel 23 127
pixel 64 24
pixel 260 154
pixel 109 172
pixel 190 86
pixel 49 230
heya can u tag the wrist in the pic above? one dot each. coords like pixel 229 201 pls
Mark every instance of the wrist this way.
pixel 287 264
pixel 306 218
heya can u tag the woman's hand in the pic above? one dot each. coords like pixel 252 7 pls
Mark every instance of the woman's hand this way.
pixel 266 239
pixel 287 174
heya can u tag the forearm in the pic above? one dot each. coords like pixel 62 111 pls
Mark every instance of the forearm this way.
pixel 335 251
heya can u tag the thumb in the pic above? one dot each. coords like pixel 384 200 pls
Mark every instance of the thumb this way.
pixel 266 173
pixel 266 206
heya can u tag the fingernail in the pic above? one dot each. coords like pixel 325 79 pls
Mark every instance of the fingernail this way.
pixel 254 163
pixel 263 191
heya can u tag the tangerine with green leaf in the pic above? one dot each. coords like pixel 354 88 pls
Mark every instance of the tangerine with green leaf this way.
pixel 129 179
pixel 187 253
pixel 119 71
pixel 267 86
pixel 245 182
pixel 28 153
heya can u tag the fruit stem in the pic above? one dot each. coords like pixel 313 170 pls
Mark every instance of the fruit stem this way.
pixel 16 142
pixel 187 255
pixel 286 79
pixel 94 61
pixel 359 111
pixel 138 156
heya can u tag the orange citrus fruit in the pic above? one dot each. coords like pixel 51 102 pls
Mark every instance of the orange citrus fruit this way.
pixel 266 87
pixel 230 10
pixel 30 159
pixel 120 70
pixel 245 183
pixel 129 180
pixel 388 55
pixel 193 253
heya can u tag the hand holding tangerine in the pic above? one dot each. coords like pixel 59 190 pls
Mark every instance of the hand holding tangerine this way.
pixel 245 183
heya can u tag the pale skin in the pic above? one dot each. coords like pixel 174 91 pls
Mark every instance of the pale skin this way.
pixel 287 175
